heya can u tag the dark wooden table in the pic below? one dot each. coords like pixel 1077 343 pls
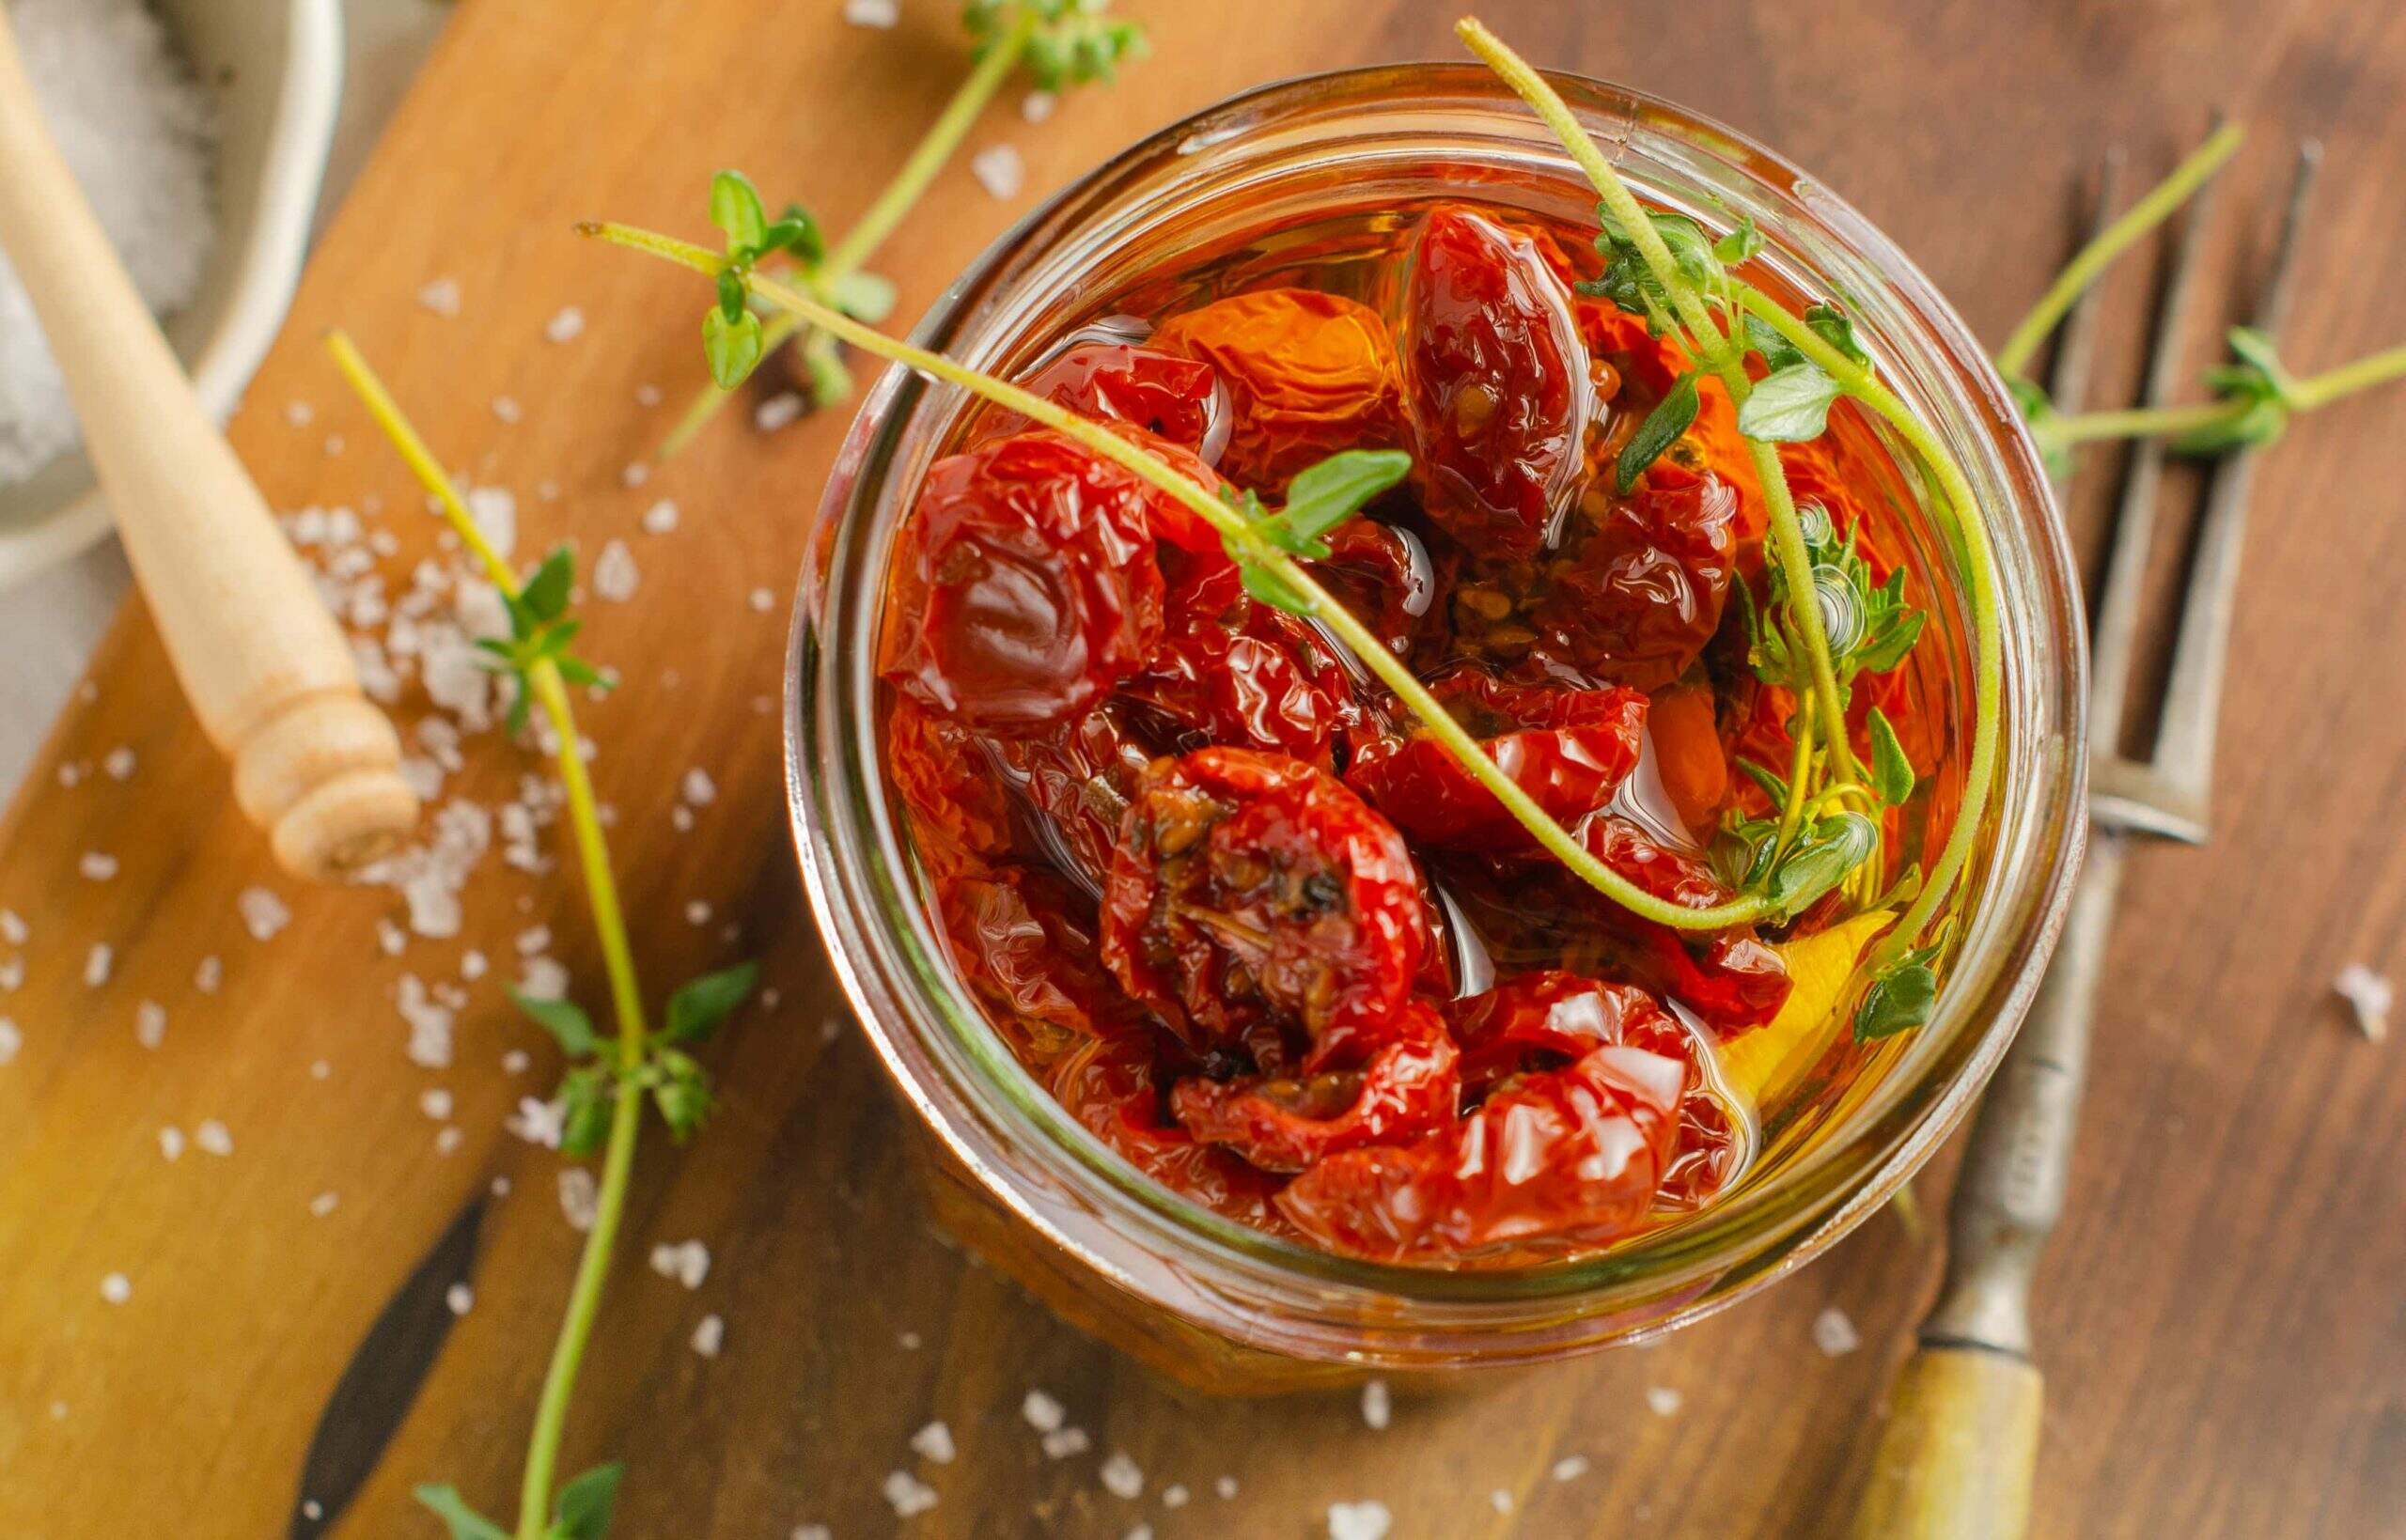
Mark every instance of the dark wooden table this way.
pixel 2222 1317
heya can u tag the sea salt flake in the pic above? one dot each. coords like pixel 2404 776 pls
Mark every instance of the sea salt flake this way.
pixel 999 170
pixel 495 511
pixel 907 1341
pixel 543 978
pixel 1570 1468
pixel 1035 106
pixel 905 1493
pixel 442 296
pixel 118 763
pixel 1175 1496
pixel 778 410
pixel 1834 1334
pixel 934 1442
pixel 2372 997
pixel 12 927
pixel 1226 1489
pixel 429 1020
pixel 697 912
pixel 1062 1442
pixel 323 1204
pixel 661 518
pixel 333 443
pixel 1378 1407
pixel 97 963
pixel 1500 1500
pixel 515 1062
pixel 212 1138
pixel 459 1299
pixel 615 576
pixel 698 788
pixel 680 819
pixel 12 975
pixel 312 1510
pixel 505 408
pixel 687 1262
pixel 12 1042
pixel 449 1138
pixel 1120 1476
pixel 534 940
pixel 473 965
pixel 634 474
pixel 763 599
pixel 97 865
pixel 876 13
pixel 435 1102
pixel 811 1531
pixel 300 413
pixel 1662 1400
pixel 539 1122
pixel 150 1023
pixel 710 1336
pixel 263 913
pixel 208 973
pixel 566 325
pixel 319 1069
pixel 116 1288
pixel 1366 1520
pixel 648 395
pixel 391 939
pixel 580 1201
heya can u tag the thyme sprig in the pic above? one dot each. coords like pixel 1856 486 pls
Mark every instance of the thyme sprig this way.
pixel 1059 43
pixel 1260 544
pixel 608 1080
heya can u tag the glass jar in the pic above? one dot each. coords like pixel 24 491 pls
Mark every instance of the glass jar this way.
pixel 1208 1300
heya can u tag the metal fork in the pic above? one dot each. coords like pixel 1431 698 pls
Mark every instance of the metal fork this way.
pixel 1959 1452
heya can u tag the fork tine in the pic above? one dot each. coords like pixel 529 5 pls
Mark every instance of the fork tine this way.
pixel 2076 348
pixel 2117 615
pixel 2192 693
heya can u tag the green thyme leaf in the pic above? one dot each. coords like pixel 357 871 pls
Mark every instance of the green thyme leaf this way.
pixel 732 346
pixel 681 1092
pixel 1897 1000
pixel 1777 351
pixel 732 296
pixel 565 1020
pixel 1271 589
pixel 1892 773
pixel 1832 326
pixel 1788 406
pixel 1739 244
pixel 1820 860
pixel 543 597
pixel 463 1522
pixel 697 1008
pixel 1671 416
pixel 735 208
pixel 1774 785
pixel 586 1505
pixel 797 232
pixel 1887 643
pixel 1322 497
pixel 585 1111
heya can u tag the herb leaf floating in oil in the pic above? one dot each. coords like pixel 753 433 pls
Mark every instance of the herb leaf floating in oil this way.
pixel 1059 43
pixel 609 1078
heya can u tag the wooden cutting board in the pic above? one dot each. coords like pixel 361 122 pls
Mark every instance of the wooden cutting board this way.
pixel 2219 1318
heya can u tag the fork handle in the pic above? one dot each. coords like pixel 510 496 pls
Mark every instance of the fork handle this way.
pixel 265 668
pixel 1960 1450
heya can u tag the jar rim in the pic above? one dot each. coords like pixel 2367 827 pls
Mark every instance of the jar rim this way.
pixel 850 849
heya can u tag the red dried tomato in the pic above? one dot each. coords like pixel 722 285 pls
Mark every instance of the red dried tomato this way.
pixel 1175 399
pixel 1688 756
pixel 1034 587
pixel 1495 383
pixel 1407 1088
pixel 1231 670
pixel 1111 1087
pixel 1638 588
pixel 960 818
pixel 1381 574
pixel 1568 1157
pixel 1022 943
pixel 1308 374
pixel 1728 977
pixel 1250 885
pixel 1568 749
pixel 1080 779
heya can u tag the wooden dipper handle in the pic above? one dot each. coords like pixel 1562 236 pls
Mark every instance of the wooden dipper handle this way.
pixel 266 670
pixel 1960 1450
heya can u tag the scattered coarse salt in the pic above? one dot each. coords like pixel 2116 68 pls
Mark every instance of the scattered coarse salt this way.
pixel 118 763
pixel 1226 1489
pixel 515 1062
pixel 566 325
pixel 688 1262
pixel 778 410
pixel 442 296
pixel 171 1143
pixel 634 474
pixel 534 940
pixel 907 1341
pixel 1175 1496
pixel 2371 995
pixel 1042 1412
pixel 333 443
pixel 1366 1520
pixel 323 1204
pixel 97 865
pixel 680 819
pixel 263 913
pixel 540 1122
pixel 1378 1407
pixel 12 927
pixel 473 965
pixel 212 1138
pixel 1570 1468
pixel 208 973
pixel 300 413
pixel 435 1102
pixel 999 170
pixel 698 788
pixel 1139 1531
pixel 710 1336
pixel 764 599
pixel 12 975
pixel 312 1510
pixel 505 408
pixel 97 963
pixel 580 1201
pixel 543 978
pixel 447 1139
pixel 1662 1400
pixel 391 939
pixel 12 1041
pixel 811 1531
pixel 934 1442
pixel 1035 106
pixel 71 775
pixel 661 518
pixel 1834 1334
pixel 697 912
pixel 1121 1478
pixel 615 575
pixel 116 1288
pixel 494 512
pixel 877 13
pixel 1062 1442
pixel 648 395
pixel 429 1020
pixel 150 1023
pixel 1500 1500
pixel 907 1494
pixel 319 1069
pixel 460 1299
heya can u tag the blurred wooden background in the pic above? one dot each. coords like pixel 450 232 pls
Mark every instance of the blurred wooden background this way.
pixel 2221 1316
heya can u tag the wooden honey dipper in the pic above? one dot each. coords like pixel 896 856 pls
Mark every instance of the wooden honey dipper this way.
pixel 266 670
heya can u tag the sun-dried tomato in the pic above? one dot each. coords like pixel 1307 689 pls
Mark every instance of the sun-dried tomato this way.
pixel 1567 1158
pixel 1407 1087
pixel 1232 670
pixel 1308 374
pixel 1381 574
pixel 1175 399
pixel 1111 1086
pixel 1025 942
pixel 1688 757
pixel 1033 587
pixel 1640 588
pixel 1728 977
pixel 960 818
pixel 1568 749
pixel 1078 779
pixel 1249 885
pixel 1495 383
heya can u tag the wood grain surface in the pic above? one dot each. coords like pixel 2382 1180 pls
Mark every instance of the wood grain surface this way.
pixel 2220 1320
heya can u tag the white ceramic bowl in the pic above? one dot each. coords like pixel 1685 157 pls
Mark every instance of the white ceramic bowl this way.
pixel 275 67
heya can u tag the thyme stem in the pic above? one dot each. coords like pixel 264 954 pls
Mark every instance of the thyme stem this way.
pixel 1255 550
pixel 617 957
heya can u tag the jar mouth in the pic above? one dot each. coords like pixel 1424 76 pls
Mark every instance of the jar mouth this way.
pixel 939 1047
